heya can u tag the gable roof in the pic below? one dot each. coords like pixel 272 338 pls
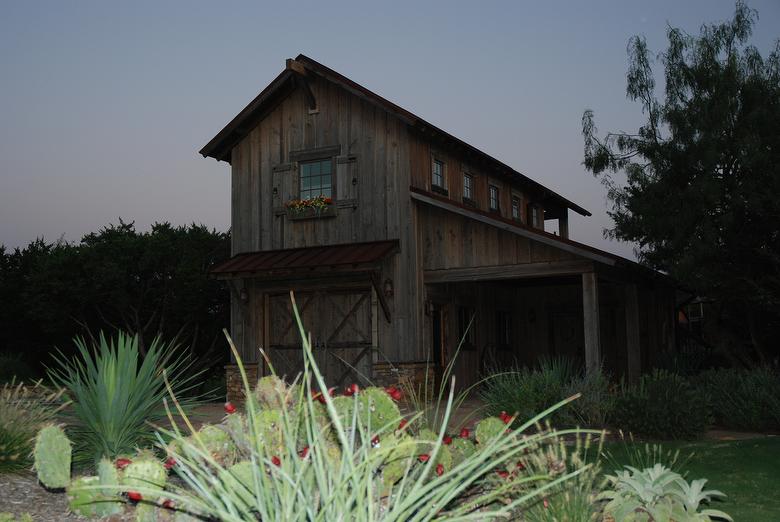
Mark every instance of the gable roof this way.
pixel 287 81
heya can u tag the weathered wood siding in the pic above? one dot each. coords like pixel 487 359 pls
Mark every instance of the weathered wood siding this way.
pixel 422 153
pixel 371 195
pixel 449 240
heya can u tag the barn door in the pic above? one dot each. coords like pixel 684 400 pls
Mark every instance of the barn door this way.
pixel 340 326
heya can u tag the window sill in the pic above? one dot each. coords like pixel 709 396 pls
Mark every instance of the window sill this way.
pixel 495 211
pixel 469 202
pixel 440 190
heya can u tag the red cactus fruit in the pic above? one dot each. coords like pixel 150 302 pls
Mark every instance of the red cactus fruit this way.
pixel 229 408
pixel 276 461
pixel 304 452
pixel 402 424
pixel 134 496
pixel 375 441
pixel 168 504
pixel 447 440
pixel 170 462
pixel 122 463
pixel 351 390
pixel 465 433
pixel 394 392
pixel 439 470
pixel 424 458
pixel 503 474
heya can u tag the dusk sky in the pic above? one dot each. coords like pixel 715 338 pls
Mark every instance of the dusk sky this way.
pixel 104 105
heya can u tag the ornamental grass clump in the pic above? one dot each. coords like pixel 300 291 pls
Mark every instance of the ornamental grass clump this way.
pixel 300 452
pixel 24 409
pixel 117 395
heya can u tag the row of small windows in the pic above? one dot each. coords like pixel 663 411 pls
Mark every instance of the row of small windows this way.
pixel 437 184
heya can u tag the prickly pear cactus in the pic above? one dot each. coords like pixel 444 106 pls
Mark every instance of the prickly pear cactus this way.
pixel 52 457
pixel 108 476
pixel 461 449
pixel 238 478
pixel 236 427
pixel 377 410
pixel 398 460
pixel 426 443
pixel 83 501
pixel 489 428
pixel 271 427
pixel 217 442
pixel 345 407
pixel 145 512
pixel 271 392
pixel 144 473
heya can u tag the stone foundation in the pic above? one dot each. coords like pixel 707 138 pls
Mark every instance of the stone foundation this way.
pixel 235 386
pixel 387 374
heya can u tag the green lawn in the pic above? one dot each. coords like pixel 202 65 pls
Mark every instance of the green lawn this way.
pixel 747 471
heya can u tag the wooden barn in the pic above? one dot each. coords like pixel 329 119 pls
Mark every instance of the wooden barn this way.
pixel 394 234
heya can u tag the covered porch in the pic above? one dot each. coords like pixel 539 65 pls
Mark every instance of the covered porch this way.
pixel 597 315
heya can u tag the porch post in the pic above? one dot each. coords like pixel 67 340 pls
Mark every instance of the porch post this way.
pixel 590 307
pixel 633 348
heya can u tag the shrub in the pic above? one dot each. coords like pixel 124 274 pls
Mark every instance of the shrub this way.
pixel 658 494
pixel 662 405
pixel 297 453
pixel 117 396
pixel 742 399
pixel 23 410
pixel 525 391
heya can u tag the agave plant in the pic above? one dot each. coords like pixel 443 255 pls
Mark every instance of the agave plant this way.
pixel 117 395
pixel 658 494
pixel 304 455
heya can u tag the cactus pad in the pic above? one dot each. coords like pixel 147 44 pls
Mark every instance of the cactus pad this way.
pixel 489 428
pixel 377 410
pixel 144 473
pixel 52 457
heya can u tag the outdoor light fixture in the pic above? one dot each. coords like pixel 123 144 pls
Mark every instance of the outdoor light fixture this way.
pixel 276 191
pixel 354 181
pixel 387 288
pixel 243 295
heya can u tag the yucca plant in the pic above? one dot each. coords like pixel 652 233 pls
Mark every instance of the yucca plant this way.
pixel 117 395
pixel 315 457
pixel 23 410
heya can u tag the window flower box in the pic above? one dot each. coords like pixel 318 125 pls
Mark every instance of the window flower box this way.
pixel 316 207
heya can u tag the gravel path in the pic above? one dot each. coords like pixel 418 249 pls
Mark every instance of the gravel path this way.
pixel 21 493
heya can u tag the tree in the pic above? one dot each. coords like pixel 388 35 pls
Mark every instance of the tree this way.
pixel 147 283
pixel 701 196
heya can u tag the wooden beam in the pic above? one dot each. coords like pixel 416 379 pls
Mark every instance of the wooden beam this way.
pixel 633 346
pixel 502 272
pixel 380 296
pixel 590 308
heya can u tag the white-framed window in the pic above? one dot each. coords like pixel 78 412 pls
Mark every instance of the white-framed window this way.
pixel 534 216
pixel 468 186
pixel 493 197
pixel 437 174
pixel 316 178
pixel 516 212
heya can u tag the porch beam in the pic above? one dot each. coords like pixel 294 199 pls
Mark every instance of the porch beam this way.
pixel 633 348
pixel 590 308
pixel 502 272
